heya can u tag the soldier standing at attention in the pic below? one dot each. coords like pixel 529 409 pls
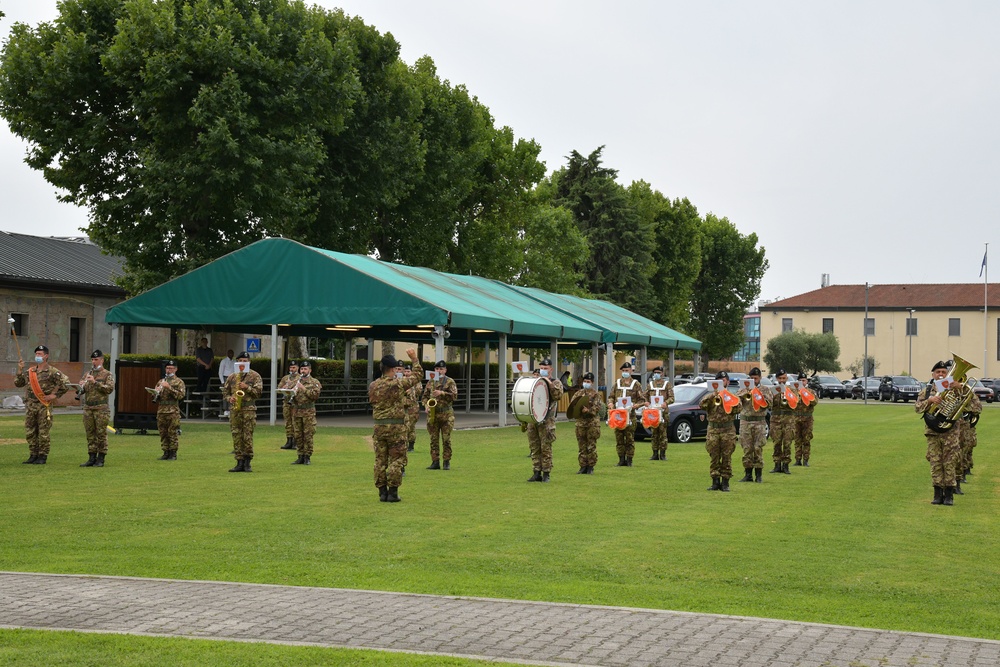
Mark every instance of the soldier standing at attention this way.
pixel 658 386
pixel 804 423
pixel 443 390
pixel 628 387
pixel 95 387
pixel 288 382
pixel 387 396
pixel 242 409
pixel 412 409
pixel 753 429
pixel 966 434
pixel 304 412
pixel 45 384
pixel 543 434
pixel 783 423
pixel 588 424
pixel 168 413
pixel 720 442
pixel 942 448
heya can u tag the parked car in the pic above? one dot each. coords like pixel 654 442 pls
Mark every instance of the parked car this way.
pixel 985 393
pixel 899 388
pixel 863 386
pixel 686 420
pixel 827 386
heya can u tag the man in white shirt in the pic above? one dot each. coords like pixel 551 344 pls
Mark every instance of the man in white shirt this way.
pixel 226 368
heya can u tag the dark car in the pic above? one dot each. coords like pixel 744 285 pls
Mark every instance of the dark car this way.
pixel 864 386
pixel 984 392
pixel 827 386
pixel 897 388
pixel 686 420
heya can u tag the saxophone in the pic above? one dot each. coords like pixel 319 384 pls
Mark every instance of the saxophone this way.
pixel 431 405
pixel 239 393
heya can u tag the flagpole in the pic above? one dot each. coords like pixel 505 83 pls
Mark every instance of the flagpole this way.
pixel 986 306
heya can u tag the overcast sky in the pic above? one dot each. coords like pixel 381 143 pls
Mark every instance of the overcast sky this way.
pixel 858 139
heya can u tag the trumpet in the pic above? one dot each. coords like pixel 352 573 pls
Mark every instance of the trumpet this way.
pixel 717 401
pixel 81 388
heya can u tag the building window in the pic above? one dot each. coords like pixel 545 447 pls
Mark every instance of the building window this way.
pixel 954 326
pixel 827 325
pixel 911 326
pixel 869 326
pixel 786 324
pixel 127 339
pixel 75 335
pixel 20 325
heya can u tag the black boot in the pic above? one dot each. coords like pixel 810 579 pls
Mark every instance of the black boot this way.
pixel 307 460
pixel 90 461
pixel 99 463
pixel 949 498
pixel 777 467
pixel 42 458
pixel 393 494
pixel 409 446
pixel 238 467
pixel 716 484
pixel 621 461
pixel 757 472
pixel 446 465
pixel 165 457
pixel 582 470
pixel 628 461
pixel 289 443
pixel 246 464
pixel 590 470
pixel 938 495
pixel 545 476
pixel 784 469
pixel 663 455
pixel 298 461
pixel 798 462
pixel 435 465
pixel 725 484
pixel 958 487
pixel 31 459
pixel 655 456
pixel 805 462
pixel 537 477
pixel 383 494
pixel 748 475
pixel 173 455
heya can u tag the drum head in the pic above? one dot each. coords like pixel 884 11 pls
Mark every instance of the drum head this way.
pixel 530 400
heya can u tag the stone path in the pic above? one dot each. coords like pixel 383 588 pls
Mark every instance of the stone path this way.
pixel 536 633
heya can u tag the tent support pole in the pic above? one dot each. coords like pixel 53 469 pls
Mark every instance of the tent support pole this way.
pixel 115 330
pixel 438 343
pixel 554 355
pixel 486 374
pixel 609 366
pixel 348 346
pixel 371 360
pixel 468 372
pixel 670 366
pixel 502 359
pixel 274 375
pixel 643 354
pixel 595 363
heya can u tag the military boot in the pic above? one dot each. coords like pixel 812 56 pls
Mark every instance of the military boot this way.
pixel 42 458
pixel 784 468
pixel 99 463
pixel 777 467
pixel 383 494
pixel 621 461
pixel 655 456
pixel 757 472
pixel 798 462
pixel 173 455
pixel 938 495
pixel 590 470
pixel 537 477
pixel 90 461
pixel 238 467
pixel 958 487
pixel 393 495
pixel 663 455
pixel 949 498
pixel 409 446
pixel 246 464
pixel 446 465
pixel 31 459
pixel 748 475
pixel 628 461
pixel 545 476
pixel 289 443
pixel 805 462
pixel 298 461
pixel 307 460
pixel 582 470
pixel 435 465
pixel 725 484
pixel 716 484
pixel 165 457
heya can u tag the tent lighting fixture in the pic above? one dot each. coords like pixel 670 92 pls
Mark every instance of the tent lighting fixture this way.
pixel 423 331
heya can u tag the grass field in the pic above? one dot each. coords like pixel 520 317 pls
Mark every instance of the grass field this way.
pixel 851 540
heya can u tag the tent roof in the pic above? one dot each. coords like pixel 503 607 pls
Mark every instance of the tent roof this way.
pixel 316 292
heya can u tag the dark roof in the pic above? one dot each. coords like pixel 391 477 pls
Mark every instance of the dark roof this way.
pixel 68 264
pixel 946 296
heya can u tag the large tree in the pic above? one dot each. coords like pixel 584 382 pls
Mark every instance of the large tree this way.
pixel 800 351
pixel 732 267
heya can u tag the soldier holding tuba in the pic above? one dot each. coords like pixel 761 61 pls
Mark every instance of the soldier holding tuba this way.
pixel 941 403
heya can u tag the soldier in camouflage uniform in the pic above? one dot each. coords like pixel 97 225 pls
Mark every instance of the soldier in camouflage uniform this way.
pixel 388 398
pixel 804 422
pixel 753 428
pixel 95 387
pixel 412 409
pixel 659 386
pixel 543 434
pixel 168 412
pixel 45 384
pixel 242 409
pixel 942 448
pixel 444 391
pixel 288 382
pixel 625 437
pixel 720 441
pixel 966 435
pixel 782 423
pixel 308 389
pixel 588 424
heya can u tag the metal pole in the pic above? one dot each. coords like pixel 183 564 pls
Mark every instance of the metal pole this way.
pixel 864 364
pixel 502 358
pixel 909 332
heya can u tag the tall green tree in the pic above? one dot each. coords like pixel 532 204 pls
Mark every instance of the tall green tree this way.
pixel 553 247
pixel 732 267
pixel 800 351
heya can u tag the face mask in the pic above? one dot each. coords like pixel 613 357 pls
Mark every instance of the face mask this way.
pixel 543 372
pixel 399 376
pixel 170 375
pixel 626 374
pixel 656 376
pixel 587 385
pixel 97 367
pixel 39 360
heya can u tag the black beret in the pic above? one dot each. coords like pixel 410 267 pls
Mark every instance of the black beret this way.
pixel 305 364
pixel 170 362
pixel 588 376
pixel 545 362
pixel 625 365
pixel 940 365
pixel 658 368
pixel 42 348
pixel 243 355
pixel 754 371
pixel 780 371
pixel 293 362
pixel 441 364
pixel 802 375
pixel 400 364
pixel 388 361
pixel 96 354
pixel 721 374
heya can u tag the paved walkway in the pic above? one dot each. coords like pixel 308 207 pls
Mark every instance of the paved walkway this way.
pixel 536 633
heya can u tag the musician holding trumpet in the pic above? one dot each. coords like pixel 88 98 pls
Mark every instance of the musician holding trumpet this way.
pixel 241 391
pixel 720 441
pixel 95 388
pixel 45 384
pixel 167 394
pixel 289 382
pixel 753 429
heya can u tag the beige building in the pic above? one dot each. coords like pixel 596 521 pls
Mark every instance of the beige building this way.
pixel 909 327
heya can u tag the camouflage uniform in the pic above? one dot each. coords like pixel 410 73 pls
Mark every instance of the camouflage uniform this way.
pixel 38 417
pixel 753 429
pixel 304 414
pixel 168 415
pixel 625 437
pixel 804 429
pixel 543 434
pixel 388 398
pixel 588 426
pixel 943 449
pixel 659 439
pixel 243 420
pixel 720 442
pixel 444 417
pixel 782 431
pixel 288 382
pixel 966 436
pixel 96 413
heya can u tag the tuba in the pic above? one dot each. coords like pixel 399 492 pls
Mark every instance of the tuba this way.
pixel 941 418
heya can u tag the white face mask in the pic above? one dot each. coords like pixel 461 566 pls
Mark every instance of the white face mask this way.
pixel 656 376
pixel 169 375
pixel 544 372
pixel 399 376
pixel 97 367
pixel 587 385
pixel 39 360
pixel 626 374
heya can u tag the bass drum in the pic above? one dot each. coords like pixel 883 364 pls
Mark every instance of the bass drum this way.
pixel 530 400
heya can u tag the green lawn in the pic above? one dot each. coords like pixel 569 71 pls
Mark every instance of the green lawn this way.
pixel 851 540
